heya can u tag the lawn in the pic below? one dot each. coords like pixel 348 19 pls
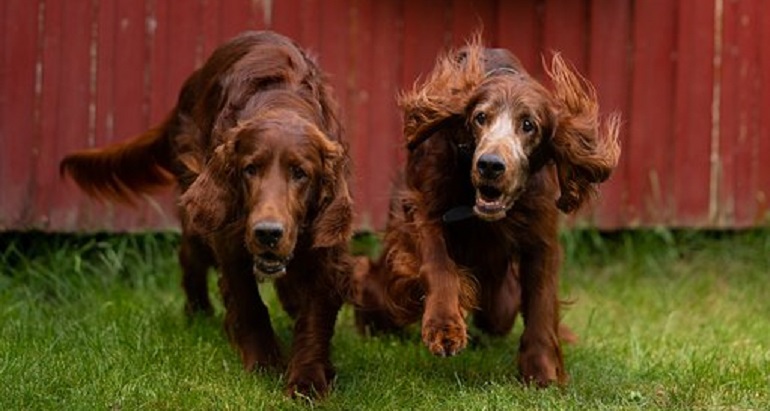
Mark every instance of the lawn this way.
pixel 667 320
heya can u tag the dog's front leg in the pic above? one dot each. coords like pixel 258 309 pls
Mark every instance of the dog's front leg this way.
pixel 540 355
pixel 247 320
pixel 310 371
pixel 443 326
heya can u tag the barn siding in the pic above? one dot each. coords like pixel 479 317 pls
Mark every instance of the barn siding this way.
pixel 689 77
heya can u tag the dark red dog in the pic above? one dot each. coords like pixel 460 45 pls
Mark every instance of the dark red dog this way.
pixel 255 145
pixel 493 157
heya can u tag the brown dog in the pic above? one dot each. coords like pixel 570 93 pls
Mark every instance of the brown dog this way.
pixel 493 157
pixel 255 146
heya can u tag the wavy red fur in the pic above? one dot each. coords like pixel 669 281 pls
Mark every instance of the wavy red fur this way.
pixel 256 147
pixel 485 137
pixel 123 171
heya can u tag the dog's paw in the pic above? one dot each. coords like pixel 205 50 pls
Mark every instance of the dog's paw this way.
pixel 541 368
pixel 445 337
pixel 263 358
pixel 309 381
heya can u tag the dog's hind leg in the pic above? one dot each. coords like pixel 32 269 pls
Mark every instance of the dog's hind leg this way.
pixel 499 304
pixel 196 258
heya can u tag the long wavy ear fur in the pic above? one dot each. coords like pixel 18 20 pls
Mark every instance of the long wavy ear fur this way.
pixel 124 170
pixel 444 94
pixel 333 224
pixel 585 151
pixel 208 202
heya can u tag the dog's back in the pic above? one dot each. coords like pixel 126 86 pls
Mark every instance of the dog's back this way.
pixel 209 102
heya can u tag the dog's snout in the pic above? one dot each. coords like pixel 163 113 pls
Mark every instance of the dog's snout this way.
pixel 490 166
pixel 268 233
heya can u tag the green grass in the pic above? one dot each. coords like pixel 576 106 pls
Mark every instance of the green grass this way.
pixel 667 320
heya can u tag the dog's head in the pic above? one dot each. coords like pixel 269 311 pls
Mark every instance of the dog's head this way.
pixel 515 125
pixel 278 175
pixel 509 118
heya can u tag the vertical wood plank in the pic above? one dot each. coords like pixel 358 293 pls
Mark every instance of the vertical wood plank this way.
pixel 209 18
pixel 693 100
pixel 330 36
pixel 313 23
pixel 180 44
pixel 653 82
pixel 424 38
pixel 130 98
pixel 565 30
pixel 470 17
pixel 360 45
pixel 334 48
pixel 236 16
pixel 52 87
pixel 373 122
pixel 161 97
pixel 105 113
pixel 739 138
pixel 762 215
pixel 520 30
pixel 286 18
pixel 263 13
pixel 156 210
pixel 92 214
pixel 384 149
pixel 65 101
pixel 130 63
pixel 609 70
pixel 20 51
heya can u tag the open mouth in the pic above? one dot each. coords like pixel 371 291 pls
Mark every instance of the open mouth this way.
pixel 269 265
pixel 490 203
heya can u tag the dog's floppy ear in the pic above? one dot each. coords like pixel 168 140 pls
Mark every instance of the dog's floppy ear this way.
pixel 441 99
pixel 333 223
pixel 209 200
pixel 584 150
pixel 426 113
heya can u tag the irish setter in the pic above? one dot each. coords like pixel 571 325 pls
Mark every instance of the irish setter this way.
pixel 254 143
pixel 493 156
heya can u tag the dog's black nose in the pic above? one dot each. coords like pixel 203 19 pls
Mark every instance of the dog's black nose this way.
pixel 268 233
pixel 490 166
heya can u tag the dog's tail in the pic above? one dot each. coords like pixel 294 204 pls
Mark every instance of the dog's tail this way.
pixel 124 170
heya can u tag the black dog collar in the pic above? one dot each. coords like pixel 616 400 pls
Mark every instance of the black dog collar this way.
pixel 458 213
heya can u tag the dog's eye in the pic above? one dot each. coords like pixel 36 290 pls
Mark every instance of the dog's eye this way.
pixel 527 125
pixel 250 170
pixel 298 174
pixel 480 118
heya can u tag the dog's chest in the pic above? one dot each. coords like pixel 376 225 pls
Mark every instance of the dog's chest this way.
pixel 482 246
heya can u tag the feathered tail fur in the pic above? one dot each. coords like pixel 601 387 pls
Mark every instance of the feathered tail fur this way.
pixel 123 171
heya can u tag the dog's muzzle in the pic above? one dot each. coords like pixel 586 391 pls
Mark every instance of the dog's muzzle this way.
pixel 270 266
pixel 491 203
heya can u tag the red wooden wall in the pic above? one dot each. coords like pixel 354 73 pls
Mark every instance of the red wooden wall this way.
pixel 690 77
